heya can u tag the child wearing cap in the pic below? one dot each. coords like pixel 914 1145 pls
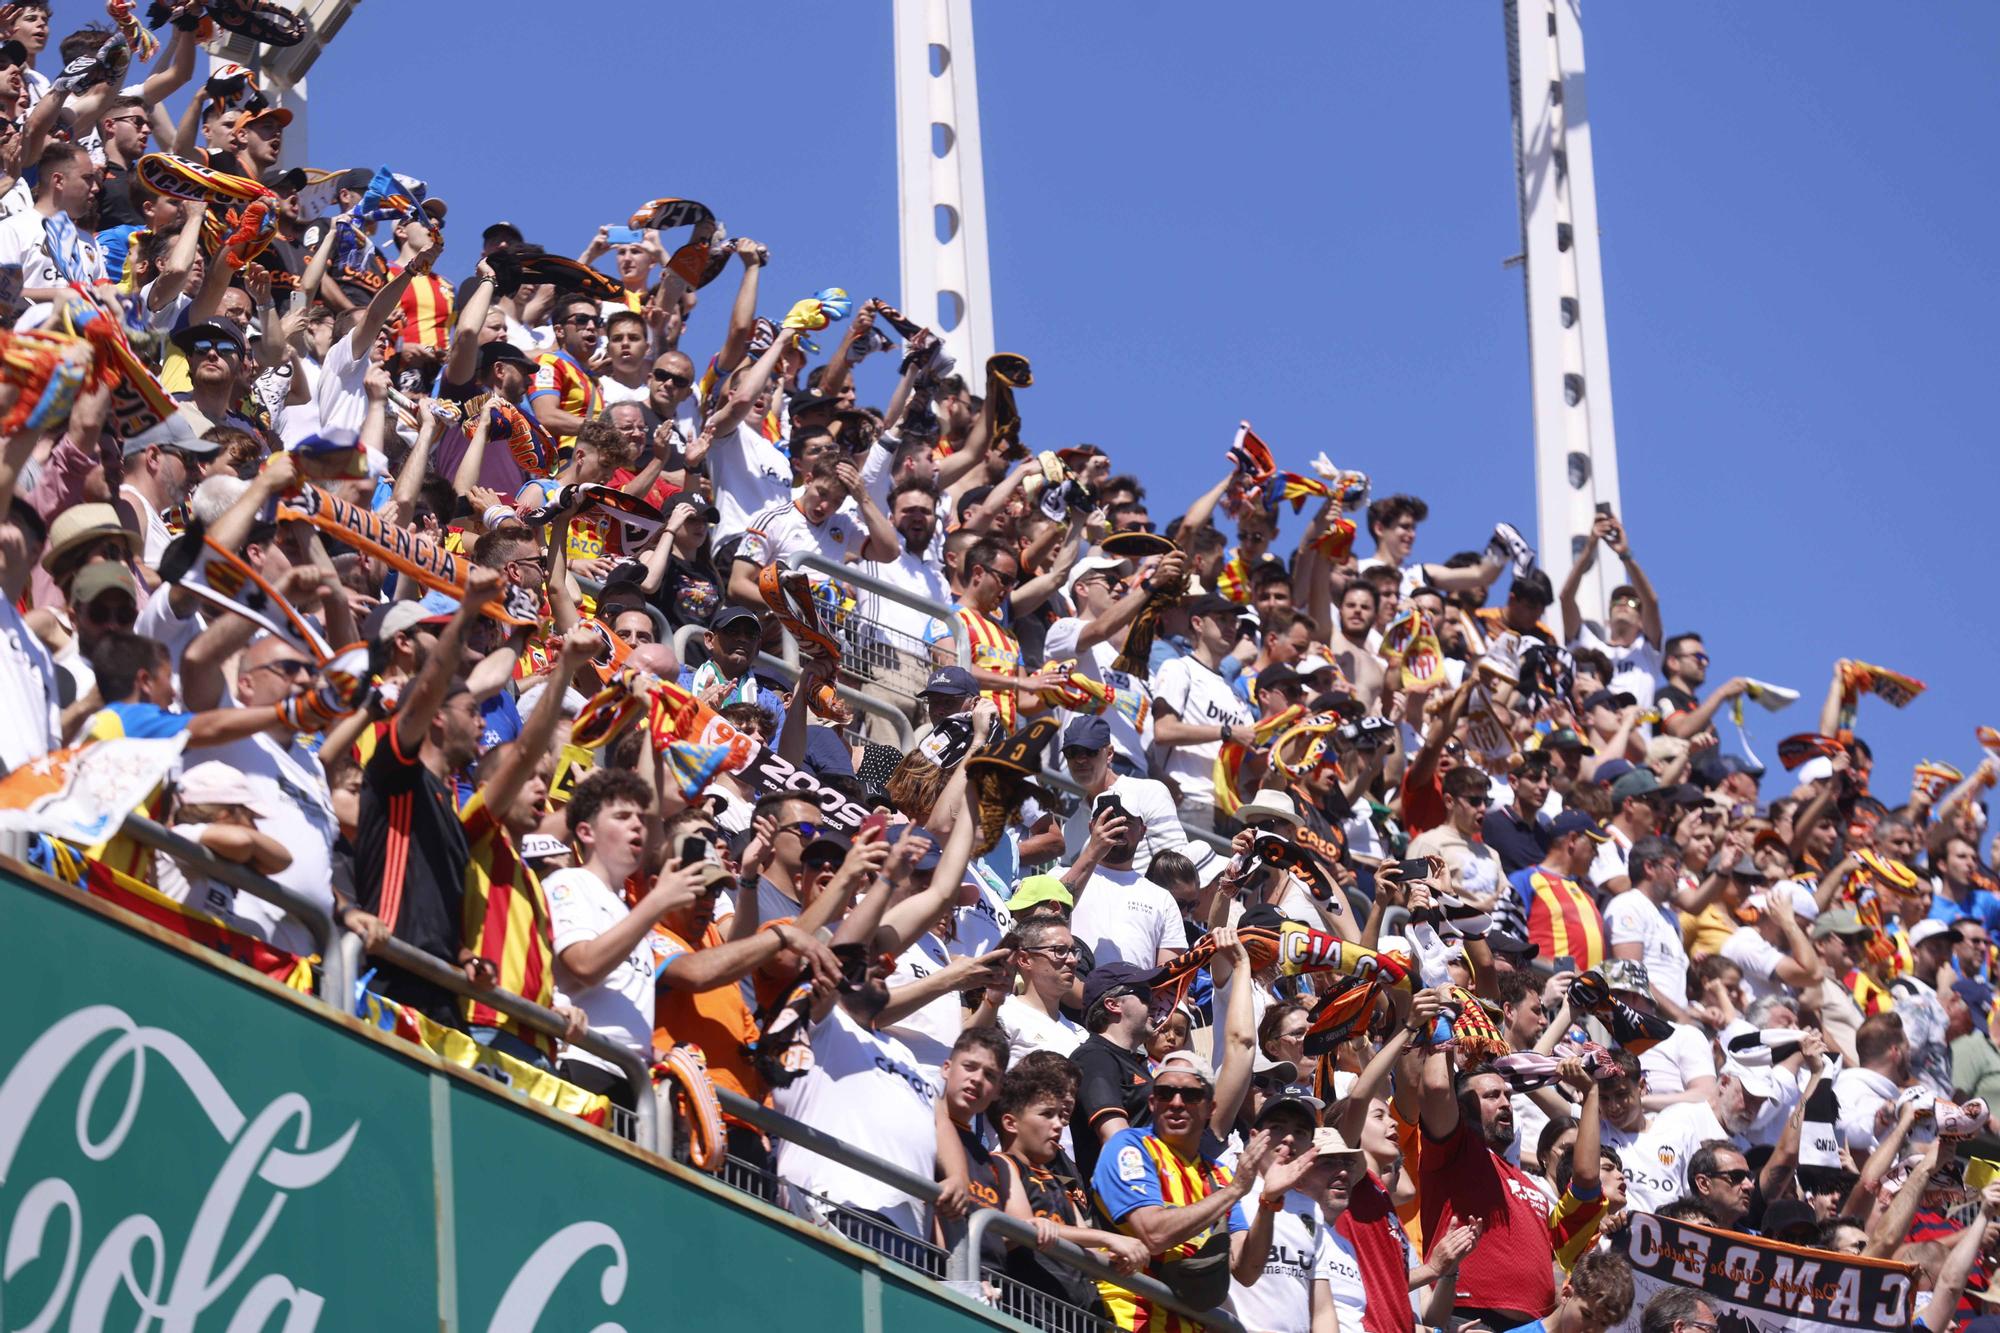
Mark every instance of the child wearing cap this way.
pixel 215 809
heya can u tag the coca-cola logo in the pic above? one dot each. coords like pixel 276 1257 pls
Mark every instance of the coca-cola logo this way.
pixel 172 1280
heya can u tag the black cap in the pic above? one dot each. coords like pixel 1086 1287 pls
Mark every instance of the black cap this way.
pixel 929 860
pixel 1610 699
pixel 1277 677
pixel 357 179
pixel 802 403
pixel 498 229
pixel 286 180
pixel 1532 586
pixel 499 351
pixel 1111 976
pixel 13 53
pixel 1213 605
pixel 730 616
pixel 1511 946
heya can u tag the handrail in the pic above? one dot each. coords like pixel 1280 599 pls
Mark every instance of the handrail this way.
pixel 867 703
pixel 336 977
pixel 637 1071
pixel 964 1260
pixel 855 575
pixel 964 1267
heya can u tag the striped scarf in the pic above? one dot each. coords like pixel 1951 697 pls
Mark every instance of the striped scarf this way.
pixel 75 257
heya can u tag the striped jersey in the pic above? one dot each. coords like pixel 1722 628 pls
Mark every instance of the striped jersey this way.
pixel 1573 1225
pixel 991 647
pixel 426 307
pixel 575 388
pixel 1136 1170
pixel 1562 919
pixel 506 920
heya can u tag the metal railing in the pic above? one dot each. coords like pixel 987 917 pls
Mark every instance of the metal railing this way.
pixel 964 1262
pixel 336 976
pixel 786 668
pixel 883 590
pixel 653 1127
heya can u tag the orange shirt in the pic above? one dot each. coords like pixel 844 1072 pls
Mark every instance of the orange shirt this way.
pixel 715 1020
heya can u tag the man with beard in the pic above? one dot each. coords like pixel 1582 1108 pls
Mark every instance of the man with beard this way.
pixel 1121 916
pixel 566 393
pixel 1685 662
pixel 1467 1124
pixel 1111 1062
pixel 1158 1184
pixel 913 509
pixel 1657 1148
pixel 52 243
pixel 215 353
pixel 1095 635
pixel 1868 1090
pixel 1349 641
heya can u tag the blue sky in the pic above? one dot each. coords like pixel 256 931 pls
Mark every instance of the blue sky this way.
pixel 1299 216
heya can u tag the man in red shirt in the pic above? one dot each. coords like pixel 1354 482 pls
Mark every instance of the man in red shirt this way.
pixel 1468 1121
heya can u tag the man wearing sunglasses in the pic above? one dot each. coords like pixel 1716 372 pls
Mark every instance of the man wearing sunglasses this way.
pixel 1719 1176
pixel 1157 1184
pixel 1474 869
pixel 1682 713
pixel 161 467
pixel 1090 753
pixel 565 393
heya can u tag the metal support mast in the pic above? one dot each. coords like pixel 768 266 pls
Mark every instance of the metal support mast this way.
pixel 941 180
pixel 281 70
pixel 1576 452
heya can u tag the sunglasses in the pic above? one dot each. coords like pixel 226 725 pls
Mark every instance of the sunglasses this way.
pixel 1480 800
pixel 1265 825
pixel 1004 580
pixel 1077 753
pixel 1697 657
pixel 1180 1092
pixel 290 666
pixel 216 346
pixel 668 377
pixel 591 321
pixel 1741 1176
pixel 111 613
pixel 805 828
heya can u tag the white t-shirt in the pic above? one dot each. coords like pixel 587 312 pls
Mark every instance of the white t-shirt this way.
pixel 300 422
pixel 290 782
pixel 750 474
pixel 615 393
pixel 1679 1060
pixel 1130 715
pixel 620 1007
pixel 24 241
pixel 1280 1301
pixel 1341 1268
pixel 158 536
pixel 1656 1158
pixel 1758 958
pixel 780 533
pixel 906 626
pixel 1126 918
pixel 1028 1029
pixel 1144 799
pixel 866 1088
pixel 1612 859
pixel 338 395
pixel 27 693
pixel 978 927
pixel 1632 917
pixel 1635 668
pixel 1861 1093
pixel 1200 696
pixel 930 1031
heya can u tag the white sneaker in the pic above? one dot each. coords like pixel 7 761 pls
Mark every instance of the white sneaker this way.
pixel 1513 547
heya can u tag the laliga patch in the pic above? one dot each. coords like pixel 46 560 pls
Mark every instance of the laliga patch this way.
pixel 1131 1163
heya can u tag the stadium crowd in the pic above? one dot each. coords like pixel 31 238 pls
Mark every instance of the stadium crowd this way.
pixel 1353 935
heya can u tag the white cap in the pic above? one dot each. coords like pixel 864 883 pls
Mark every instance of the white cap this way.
pixel 1185 1062
pixel 1208 863
pixel 1094 564
pixel 216 783
pixel 1816 769
pixel 1756 1081
pixel 1929 929
pixel 1312 664
pixel 1274 804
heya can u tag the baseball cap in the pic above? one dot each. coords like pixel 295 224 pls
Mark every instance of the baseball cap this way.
pixel 1094 564
pixel 1837 921
pixel 952 680
pixel 393 618
pixel 1312 665
pixel 1710 768
pixel 1532 586
pixel 1277 678
pixel 1930 928
pixel 1638 782
pixel 731 616
pixel 285 179
pixel 1212 604
pixel 692 500
pixel 1039 889
pixel 13 53
pixel 1180 1062
pixel 1291 1096
pixel 172 432
pixel 1757 1080
pixel 280 114
pixel 1087 733
pixel 216 783
pixel 502 352
pixel 1564 738
pixel 1207 862
pixel 929 860
pixel 99 578
pixel 495 230
pixel 1978 996
pixel 802 403
pixel 1266 1070
pixel 1610 699
pixel 1512 947
pixel 1576 821
pixel 1112 976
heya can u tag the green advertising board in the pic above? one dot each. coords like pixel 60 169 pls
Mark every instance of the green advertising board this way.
pixel 184 1147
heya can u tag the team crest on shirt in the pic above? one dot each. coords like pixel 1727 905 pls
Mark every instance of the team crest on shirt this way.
pixel 1131 1163
pixel 1666 1155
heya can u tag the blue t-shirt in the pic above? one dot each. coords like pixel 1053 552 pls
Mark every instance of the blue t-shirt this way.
pixel 503 720
pixel 1537 1326
pixel 1126 1180
pixel 149 721
pixel 1983 905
